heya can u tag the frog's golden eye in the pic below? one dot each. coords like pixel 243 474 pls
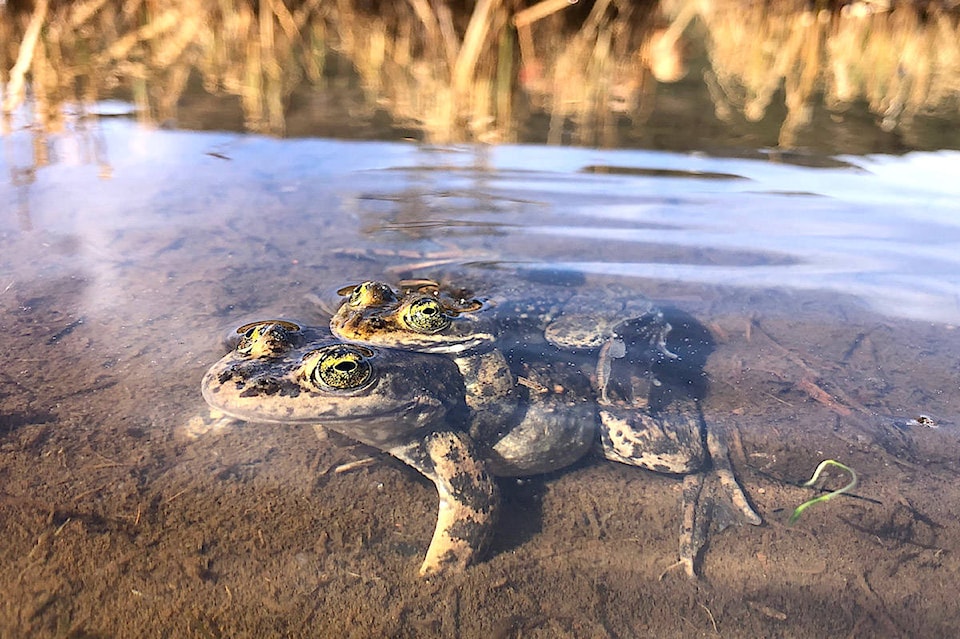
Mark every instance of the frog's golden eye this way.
pixel 266 338
pixel 425 315
pixel 250 338
pixel 368 294
pixel 341 367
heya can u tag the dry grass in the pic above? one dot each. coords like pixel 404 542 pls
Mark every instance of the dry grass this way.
pixel 900 63
pixel 472 75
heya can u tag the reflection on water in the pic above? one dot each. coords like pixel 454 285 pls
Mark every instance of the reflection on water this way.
pixel 884 228
pixel 608 73
pixel 901 63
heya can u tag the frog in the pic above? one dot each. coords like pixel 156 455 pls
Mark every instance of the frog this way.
pixel 422 315
pixel 409 405
pixel 641 423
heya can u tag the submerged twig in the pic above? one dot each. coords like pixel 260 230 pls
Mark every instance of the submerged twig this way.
pixel 354 465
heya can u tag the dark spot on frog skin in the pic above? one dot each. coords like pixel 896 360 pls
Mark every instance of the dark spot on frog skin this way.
pixel 468 488
pixel 262 387
pixel 455 456
pixel 472 530
pixel 289 389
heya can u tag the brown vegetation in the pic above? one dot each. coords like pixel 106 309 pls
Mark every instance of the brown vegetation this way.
pixel 474 71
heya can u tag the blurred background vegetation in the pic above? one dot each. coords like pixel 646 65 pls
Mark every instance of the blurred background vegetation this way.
pixel 680 74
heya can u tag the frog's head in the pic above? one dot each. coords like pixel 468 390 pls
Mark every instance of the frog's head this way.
pixel 265 338
pixel 420 316
pixel 376 396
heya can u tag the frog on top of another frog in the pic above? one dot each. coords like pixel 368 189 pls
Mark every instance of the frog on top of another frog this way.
pixel 490 332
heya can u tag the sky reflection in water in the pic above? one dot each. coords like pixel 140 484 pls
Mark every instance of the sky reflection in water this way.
pixel 889 233
pixel 885 228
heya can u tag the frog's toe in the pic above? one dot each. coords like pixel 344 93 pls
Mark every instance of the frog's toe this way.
pixel 720 456
pixel 469 499
pixel 700 507
pixel 693 524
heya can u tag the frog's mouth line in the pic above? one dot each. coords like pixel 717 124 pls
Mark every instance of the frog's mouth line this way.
pixel 443 345
pixel 398 413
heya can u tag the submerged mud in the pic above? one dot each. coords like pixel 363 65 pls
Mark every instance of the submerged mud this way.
pixel 116 524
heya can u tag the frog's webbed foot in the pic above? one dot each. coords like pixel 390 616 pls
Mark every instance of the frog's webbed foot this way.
pixel 469 498
pixel 669 441
pixel 720 456
pixel 698 510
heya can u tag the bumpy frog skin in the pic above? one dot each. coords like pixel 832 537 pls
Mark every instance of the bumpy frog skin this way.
pixel 407 404
pixel 638 425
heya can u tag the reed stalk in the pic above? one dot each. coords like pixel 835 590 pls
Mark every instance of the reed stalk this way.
pixel 474 74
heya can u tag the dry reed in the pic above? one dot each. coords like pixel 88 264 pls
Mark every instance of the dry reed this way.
pixel 901 63
pixel 457 75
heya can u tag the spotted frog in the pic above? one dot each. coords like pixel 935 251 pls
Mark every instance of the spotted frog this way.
pixel 642 422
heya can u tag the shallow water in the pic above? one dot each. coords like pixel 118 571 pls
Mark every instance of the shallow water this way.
pixel 831 294
pixel 807 263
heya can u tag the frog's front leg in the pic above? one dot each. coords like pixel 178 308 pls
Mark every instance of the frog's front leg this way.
pixel 469 498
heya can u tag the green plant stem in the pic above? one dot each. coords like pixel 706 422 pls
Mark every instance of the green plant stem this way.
pixel 816 475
